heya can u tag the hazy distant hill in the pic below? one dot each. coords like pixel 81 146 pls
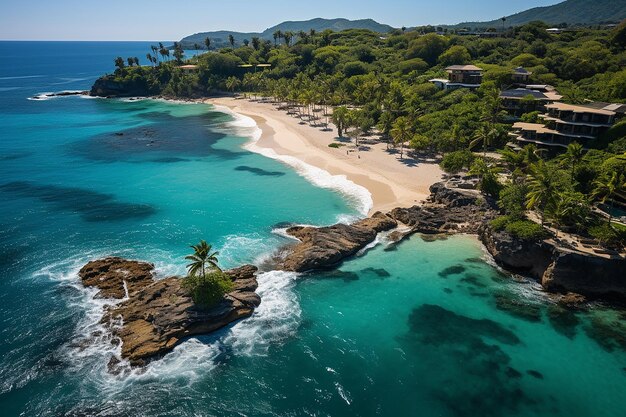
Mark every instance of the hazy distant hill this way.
pixel 570 11
pixel 220 38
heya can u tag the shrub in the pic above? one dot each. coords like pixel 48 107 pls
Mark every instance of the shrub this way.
pixel 608 235
pixel 527 230
pixel 523 229
pixel 335 145
pixel 454 162
pixel 208 290
pixel 513 199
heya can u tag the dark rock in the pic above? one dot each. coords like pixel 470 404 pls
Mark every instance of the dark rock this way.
pixel 535 374
pixel 563 320
pixel 526 257
pixel 586 274
pixel 326 246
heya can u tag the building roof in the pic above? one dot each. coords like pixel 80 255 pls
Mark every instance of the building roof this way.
pixel 540 87
pixel 188 67
pixel 439 80
pixel 536 127
pixel 523 92
pixel 463 68
pixel 615 107
pixel 521 71
pixel 580 109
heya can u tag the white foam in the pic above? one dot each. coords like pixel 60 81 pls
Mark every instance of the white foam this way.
pixel 359 197
pixel 21 77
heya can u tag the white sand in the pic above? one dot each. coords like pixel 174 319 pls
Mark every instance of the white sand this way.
pixel 391 181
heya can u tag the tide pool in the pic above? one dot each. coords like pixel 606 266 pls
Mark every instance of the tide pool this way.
pixel 426 328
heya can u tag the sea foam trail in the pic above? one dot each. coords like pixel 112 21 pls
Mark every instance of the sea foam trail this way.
pixel 358 196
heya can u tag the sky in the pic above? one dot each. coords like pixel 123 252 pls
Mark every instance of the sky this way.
pixel 173 19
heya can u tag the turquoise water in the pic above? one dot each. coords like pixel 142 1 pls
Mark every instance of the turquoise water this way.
pixel 411 331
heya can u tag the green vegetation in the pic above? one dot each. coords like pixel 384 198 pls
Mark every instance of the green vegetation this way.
pixel 205 281
pixel 335 145
pixel 523 229
pixel 380 85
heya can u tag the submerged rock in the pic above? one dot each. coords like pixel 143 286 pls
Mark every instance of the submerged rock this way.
pixel 159 314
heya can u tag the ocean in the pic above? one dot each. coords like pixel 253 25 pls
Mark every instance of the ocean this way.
pixel 430 327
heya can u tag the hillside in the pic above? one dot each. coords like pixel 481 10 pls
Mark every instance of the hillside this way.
pixel 220 38
pixel 570 12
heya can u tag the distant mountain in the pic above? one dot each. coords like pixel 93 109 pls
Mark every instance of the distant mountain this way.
pixel 220 38
pixel 570 12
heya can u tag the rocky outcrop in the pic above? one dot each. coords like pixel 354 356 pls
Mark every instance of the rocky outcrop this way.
pixel 60 94
pixel 447 210
pixel 109 86
pixel 157 315
pixel 321 247
pixel 586 274
pixel 517 255
pixel 558 269
pixel 116 277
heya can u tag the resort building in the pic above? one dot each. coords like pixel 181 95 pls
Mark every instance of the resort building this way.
pixel 521 76
pixel 188 68
pixel 460 76
pixel 567 123
pixel 518 101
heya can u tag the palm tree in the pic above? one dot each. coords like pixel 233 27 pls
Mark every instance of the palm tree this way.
pixel 277 36
pixel 572 157
pixel 607 187
pixel 341 117
pixel 207 43
pixel 202 259
pixel 256 43
pixel 288 36
pixel 543 188
pixel 232 83
pixel 231 40
pixel 485 135
pixel 401 133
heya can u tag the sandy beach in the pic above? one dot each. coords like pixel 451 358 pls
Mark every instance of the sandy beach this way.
pixel 391 181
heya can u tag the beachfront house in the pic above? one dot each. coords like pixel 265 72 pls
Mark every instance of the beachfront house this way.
pixel 567 123
pixel 460 76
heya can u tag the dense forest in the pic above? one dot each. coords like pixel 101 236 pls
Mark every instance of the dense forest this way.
pixel 380 83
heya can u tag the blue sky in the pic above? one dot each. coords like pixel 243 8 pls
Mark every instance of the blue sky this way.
pixel 171 19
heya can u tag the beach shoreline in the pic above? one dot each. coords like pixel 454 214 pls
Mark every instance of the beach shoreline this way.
pixel 390 181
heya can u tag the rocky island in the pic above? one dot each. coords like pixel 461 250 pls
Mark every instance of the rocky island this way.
pixel 154 316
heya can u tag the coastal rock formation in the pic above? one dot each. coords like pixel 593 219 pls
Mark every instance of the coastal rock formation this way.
pixel 60 94
pixel 447 210
pixel 326 246
pixel 116 277
pixel 107 86
pixel 517 255
pixel 558 269
pixel 586 274
pixel 156 315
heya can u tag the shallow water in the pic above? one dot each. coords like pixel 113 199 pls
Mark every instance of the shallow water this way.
pixel 428 328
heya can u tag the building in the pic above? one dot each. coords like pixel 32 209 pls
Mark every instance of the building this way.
pixel 188 69
pixel 460 76
pixel 567 123
pixel 518 101
pixel 521 76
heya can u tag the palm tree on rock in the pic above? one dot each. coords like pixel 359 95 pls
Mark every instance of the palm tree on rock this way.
pixel 202 259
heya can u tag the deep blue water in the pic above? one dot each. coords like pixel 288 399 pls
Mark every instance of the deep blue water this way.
pixel 419 330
